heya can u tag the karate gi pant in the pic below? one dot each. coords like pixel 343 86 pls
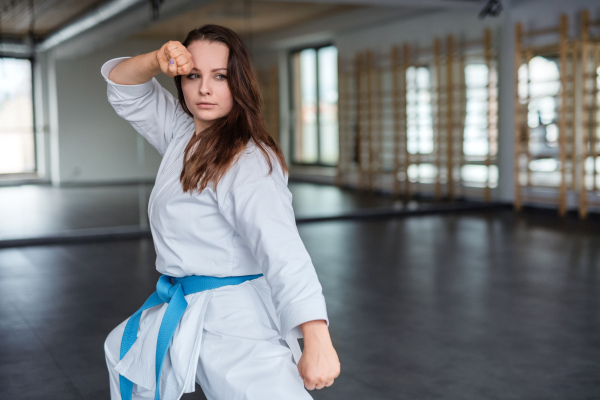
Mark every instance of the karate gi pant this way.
pixel 242 356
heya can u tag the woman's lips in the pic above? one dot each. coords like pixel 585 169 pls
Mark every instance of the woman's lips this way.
pixel 205 105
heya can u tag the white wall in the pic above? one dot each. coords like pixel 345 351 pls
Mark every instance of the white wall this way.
pixel 419 31
pixel 93 144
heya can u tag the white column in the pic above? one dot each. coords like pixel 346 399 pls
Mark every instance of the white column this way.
pixel 52 100
pixel 506 108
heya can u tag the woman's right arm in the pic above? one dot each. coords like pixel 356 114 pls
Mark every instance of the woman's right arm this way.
pixel 171 59
pixel 142 101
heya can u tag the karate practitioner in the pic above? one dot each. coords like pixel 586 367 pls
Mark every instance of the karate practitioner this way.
pixel 238 287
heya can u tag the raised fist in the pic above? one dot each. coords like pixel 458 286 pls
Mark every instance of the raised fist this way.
pixel 174 59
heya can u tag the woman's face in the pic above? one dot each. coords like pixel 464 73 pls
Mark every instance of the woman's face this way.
pixel 205 88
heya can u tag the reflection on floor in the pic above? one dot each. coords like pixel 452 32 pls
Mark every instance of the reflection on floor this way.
pixel 40 210
pixel 43 210
pixel 42 214
pixel 473 305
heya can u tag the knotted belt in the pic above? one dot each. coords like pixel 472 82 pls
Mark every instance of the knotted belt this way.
pixel 172 291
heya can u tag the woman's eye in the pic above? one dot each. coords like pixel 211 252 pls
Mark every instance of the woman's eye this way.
pixel 192 76
pixel 221 77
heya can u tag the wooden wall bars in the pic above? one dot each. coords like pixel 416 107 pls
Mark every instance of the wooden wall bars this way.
pixel 556 116
pixel 589 195
pixel 420 121
pixel 269 81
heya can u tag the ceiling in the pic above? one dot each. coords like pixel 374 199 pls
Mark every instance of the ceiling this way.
pixel 51 22
pixel 243 16
pixel 49 15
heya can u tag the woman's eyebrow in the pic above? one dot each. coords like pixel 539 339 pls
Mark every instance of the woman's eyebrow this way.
pixel 213 70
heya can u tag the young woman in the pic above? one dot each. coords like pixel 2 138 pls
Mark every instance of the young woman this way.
pixel 238 287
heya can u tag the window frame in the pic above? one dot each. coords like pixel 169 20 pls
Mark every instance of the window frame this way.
pixel 294 112
pixel 35 171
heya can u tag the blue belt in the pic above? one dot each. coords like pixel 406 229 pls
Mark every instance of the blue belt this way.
pixel 172 291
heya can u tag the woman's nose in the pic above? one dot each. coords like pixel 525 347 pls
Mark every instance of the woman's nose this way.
pixel 204 87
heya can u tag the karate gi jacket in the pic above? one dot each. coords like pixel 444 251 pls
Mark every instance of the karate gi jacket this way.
pixel 244 227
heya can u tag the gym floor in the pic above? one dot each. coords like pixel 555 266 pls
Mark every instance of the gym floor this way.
pixel 460 304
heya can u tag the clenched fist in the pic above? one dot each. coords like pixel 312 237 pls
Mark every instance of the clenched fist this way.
pixel 174 59
pixel 319 365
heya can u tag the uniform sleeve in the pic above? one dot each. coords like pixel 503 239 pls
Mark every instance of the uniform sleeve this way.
pixel 260 210
pixel 151 109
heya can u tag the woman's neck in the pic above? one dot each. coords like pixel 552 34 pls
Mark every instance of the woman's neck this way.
pixel 201 126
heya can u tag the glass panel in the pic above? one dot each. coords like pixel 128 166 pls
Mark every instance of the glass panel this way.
pixel 476 142
pixel 328 104
pixel 423 173
pixel 305 135
pixel 419 111
pixel 16 117
pixel 477 175
pixel 542 118
pixel 592 162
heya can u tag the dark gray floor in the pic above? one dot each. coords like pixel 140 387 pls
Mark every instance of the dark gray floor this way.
pixel 480 305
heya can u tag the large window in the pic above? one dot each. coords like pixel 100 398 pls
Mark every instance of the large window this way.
pixel 480 129
pixel 419 114
pixel 315 132
pixel 16 116
pixel 419 110
pixel 539 85
pixel 592 162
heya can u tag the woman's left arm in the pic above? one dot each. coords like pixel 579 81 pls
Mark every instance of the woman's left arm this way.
pixel 259 207
pixel 260 212
pixel 319 364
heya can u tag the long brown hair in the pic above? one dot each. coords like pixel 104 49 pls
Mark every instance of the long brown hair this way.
pixel 209 155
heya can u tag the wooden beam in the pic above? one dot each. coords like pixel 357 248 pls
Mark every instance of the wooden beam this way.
pixel 297 139
pixel 379 148
pixel 528 57
pixel 574 121
pixel 437 140
pixel 404 140
pixel 369 96
pixel 462 114
pixel 594 111
pixel 396 104
pixel 450 116
pixel 359 104
pixel 584 33
pixel 562 197
pixel 541 32
pixel 274 101
pixel 518 57
pixel 487 51
pixel 341 122
pixel 543 50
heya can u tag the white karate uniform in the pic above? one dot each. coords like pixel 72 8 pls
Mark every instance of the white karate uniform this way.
pixel 237 342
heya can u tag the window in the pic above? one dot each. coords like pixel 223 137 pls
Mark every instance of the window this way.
pixel 476 143
pixel 16 116
pixel 592 164
pixel 480 130
pixel 315 132
pixel 539 85
pixel 419 110
pixel 419 114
